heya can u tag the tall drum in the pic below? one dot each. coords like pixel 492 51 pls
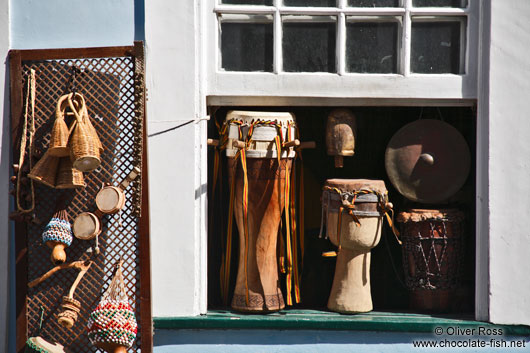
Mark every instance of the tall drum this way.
pixel 354 210
pixel 433 251
pixel 257 274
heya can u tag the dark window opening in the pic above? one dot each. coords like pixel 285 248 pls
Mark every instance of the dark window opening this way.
pixel 375 128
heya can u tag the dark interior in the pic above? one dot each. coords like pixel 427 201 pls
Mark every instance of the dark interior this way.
pixel 375 127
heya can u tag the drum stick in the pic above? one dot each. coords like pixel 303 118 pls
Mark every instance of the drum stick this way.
pixel 307 144
pixel 132 175
pixel 79 265
pixel 293 143
pixel 84 269
pixel 238 144
pixel 212 142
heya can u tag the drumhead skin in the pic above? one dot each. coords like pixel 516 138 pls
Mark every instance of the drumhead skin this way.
pixel 427 161
pixel 38 344
pixel 110 199
pixel 86 226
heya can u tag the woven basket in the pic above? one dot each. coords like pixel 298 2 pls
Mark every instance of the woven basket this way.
pixel 67 176
pixel 92 130
pixel 84 149
pixel 59 135
pixel 45 170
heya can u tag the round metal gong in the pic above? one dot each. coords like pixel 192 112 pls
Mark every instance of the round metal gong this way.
pixel 427 161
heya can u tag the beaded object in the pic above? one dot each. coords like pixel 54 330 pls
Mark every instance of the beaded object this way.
pixel 113 323
pixel 58 230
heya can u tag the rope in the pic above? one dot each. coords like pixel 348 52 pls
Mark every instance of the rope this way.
pixel 31 91
pixel 287 265
pixel 350 207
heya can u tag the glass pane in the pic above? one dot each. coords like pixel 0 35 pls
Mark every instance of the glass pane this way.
pixel 435 47
pixel 309 46
pixel 247 2
pixel 246 46
pixel 317 3
pixel 371 47
pixel 439 3
pixel 373 3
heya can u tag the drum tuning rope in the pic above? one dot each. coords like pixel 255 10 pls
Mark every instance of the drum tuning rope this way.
pixel 385 209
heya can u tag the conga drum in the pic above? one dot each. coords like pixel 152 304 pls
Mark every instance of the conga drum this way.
pixel 354 209
pixel 432 250
pixel 40 345
pixel 257 274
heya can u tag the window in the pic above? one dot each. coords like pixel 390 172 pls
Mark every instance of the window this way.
pixel 383 59
pixel 343 36
pixel 394 49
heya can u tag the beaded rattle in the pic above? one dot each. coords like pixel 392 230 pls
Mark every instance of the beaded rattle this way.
pixel 57 235
pixel 112 325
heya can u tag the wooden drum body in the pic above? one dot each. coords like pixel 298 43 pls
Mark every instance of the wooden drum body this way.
pixel 433 248
pixel 258 269
pixel 359 233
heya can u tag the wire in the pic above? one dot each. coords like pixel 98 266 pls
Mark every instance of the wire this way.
pixel 171 128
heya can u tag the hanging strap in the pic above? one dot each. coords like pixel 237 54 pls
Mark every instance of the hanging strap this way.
pixel 30 99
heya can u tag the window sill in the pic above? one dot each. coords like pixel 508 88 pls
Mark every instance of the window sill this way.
pixel 323 320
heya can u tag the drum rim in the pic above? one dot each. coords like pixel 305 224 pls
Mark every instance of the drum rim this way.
pixel 424 214
pixel 252 114
pixel 38 342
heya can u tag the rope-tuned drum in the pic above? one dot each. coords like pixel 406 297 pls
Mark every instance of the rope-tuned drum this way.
pixel 433 247
pixel 354 211
pixel 259 164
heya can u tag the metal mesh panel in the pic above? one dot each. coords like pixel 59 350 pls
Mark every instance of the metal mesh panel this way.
pixel 111 93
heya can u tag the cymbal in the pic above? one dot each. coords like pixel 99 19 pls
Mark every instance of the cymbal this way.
pixel 427 161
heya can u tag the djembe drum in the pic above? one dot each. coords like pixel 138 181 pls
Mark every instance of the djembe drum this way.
pixel 432 256
pixel 354 210
pixel 257 285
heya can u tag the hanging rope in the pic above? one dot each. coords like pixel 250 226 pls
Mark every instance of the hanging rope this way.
pixel 30 99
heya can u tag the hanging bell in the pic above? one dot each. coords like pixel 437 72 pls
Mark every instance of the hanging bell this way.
pixel 84 147
pixel 67 176
pixel 59 135
pixel 341 131
pixel 45 170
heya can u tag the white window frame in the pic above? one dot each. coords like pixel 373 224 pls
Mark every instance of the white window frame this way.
pixel 226 86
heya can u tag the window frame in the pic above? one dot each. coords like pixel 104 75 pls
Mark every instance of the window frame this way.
pixel 402 85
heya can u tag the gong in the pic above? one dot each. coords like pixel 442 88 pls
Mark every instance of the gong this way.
pixel 427 161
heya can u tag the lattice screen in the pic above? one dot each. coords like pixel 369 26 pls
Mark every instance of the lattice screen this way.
pixel 115 104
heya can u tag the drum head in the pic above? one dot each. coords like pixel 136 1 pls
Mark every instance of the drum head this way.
pixel 39 344
pixel 85 226
pixel 108 199
pixel 427 161
pixel 250 116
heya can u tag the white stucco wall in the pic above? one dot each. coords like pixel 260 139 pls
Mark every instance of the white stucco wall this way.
pixel 177 189
pixel 509 162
